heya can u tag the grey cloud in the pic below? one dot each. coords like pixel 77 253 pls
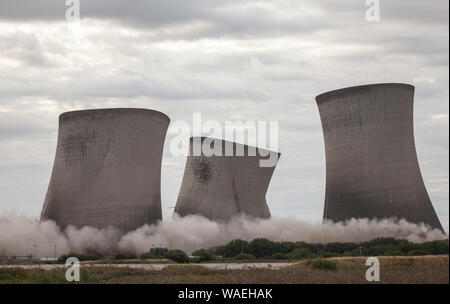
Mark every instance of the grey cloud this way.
pixel 264 60
pixel 23 47
pixel 228 18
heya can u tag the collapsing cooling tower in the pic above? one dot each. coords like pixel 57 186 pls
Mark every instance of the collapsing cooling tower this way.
pixel 372 169
pixel 107 169
pixel 220 187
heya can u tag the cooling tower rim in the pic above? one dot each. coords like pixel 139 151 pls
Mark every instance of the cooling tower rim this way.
pixel 330 94
pixel 112 110
pixel 234 143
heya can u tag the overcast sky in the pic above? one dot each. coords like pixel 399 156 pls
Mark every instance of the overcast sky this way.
pixel 247 60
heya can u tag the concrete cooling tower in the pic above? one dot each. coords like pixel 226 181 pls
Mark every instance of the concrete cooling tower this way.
pixel 372 169
pixel 107 169
pixel 220 187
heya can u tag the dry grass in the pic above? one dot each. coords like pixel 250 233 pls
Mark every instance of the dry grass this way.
pixel 405 270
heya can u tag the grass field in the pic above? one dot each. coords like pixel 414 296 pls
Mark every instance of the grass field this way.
pixel 393 270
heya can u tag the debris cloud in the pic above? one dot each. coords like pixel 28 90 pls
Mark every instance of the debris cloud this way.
pixel 23 235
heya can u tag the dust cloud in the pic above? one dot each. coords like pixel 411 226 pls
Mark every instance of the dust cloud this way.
pixel 23 235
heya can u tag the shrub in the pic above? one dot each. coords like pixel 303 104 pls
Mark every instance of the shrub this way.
pixel 155 253
pixel 177 256
pixel 146 255
pixel 324 265
pixel 351 253
pixel 385 242
pixel 80 257
pixel 395 252
pixel 339 248
pixel 159 252
pixel 379 250
pixel 330 255
pixel 279 256
pixel 301 253
pixel 262 247
pixel 244 256
pixel 418 252
pixel 285 247
pixel 203 255
pixel 233 248
pixel 435 247
pixel 124 256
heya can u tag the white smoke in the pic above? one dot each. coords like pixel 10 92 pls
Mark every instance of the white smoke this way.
pixel 194 232
pixel 20 234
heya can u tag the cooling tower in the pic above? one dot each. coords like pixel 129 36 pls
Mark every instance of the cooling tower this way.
pixel 107 169
pixel 372 169
pixel 220 187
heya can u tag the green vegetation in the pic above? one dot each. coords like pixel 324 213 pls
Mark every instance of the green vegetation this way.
pixel 279 256
pixel 301 253
pixel 244 256
pixel 233 248
pixel 203 255
pixel 124 256
pixel 418 252
pixel 266 249
pixel 155 253
pixel 80 257
pixel 259 249
pixel 324 265
pixel 146 255
pixel 177 256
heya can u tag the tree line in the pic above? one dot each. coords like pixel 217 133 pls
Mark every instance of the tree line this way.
pixel 261 248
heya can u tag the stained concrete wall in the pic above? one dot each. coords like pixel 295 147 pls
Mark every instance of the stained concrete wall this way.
pixel 220 187
pixel 372 169
pixel 107 169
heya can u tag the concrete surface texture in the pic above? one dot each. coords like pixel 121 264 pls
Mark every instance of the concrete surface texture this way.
pixel 372 169
pixel 219 187
pixel 107 169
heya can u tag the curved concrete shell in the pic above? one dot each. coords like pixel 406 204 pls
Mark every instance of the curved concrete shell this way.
pixel 220 187
pixel 372 169
pixel 107 169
